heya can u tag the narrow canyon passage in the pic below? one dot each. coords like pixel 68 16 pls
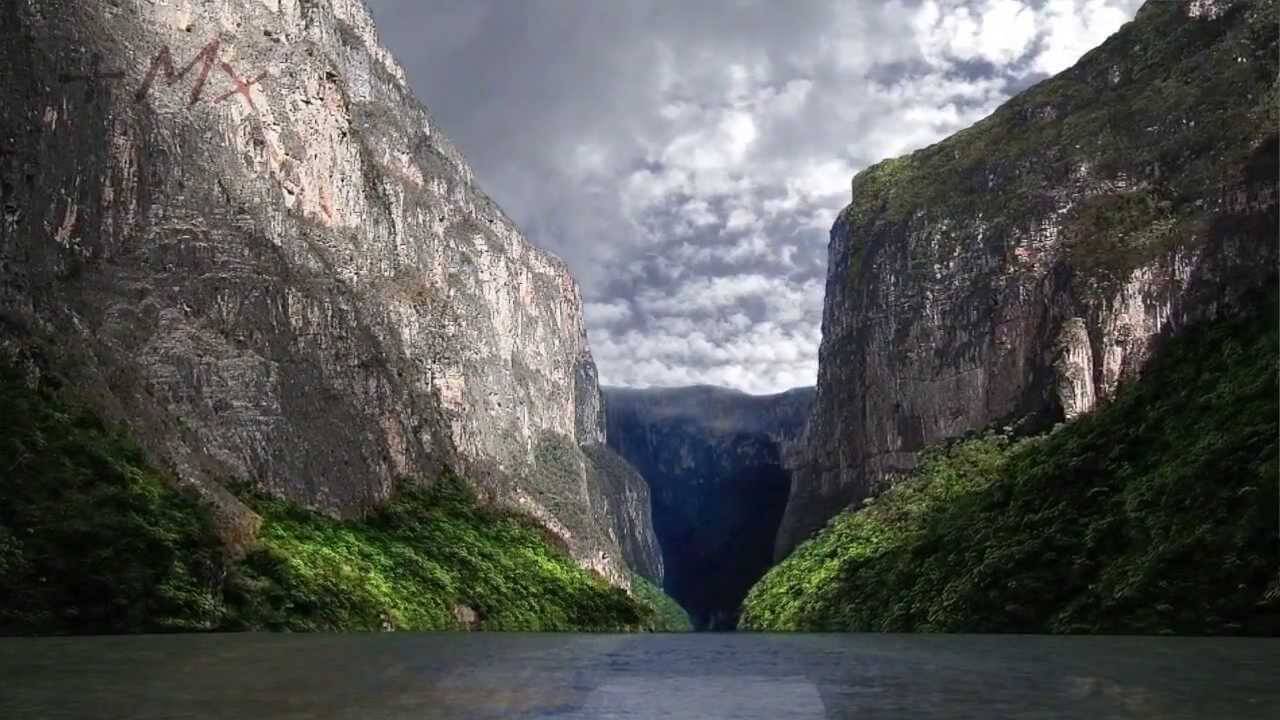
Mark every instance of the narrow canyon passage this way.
pixel 716 464
pixel 717 535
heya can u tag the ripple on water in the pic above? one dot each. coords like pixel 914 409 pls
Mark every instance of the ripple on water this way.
pixel 633 677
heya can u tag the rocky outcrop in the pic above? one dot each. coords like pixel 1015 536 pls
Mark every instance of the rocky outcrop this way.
pixel 619 493
pixel 1019 271
pixel 717 465
pixel 231 221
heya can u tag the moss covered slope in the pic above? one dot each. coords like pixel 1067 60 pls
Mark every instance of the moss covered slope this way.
pixel 1155 514
pixel 670 617
pixel 1169 104
pixel 411 565
pixel 94 540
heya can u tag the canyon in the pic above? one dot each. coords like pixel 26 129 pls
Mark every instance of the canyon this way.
pixel 232 236
pixel 718 466
pixel 1046 397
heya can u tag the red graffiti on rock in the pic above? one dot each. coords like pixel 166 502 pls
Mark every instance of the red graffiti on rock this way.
pixel 206 58
pixel 162 65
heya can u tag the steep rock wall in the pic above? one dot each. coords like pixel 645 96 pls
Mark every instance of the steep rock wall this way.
pixel 231 221
pixel 1019 271
pixel 620 493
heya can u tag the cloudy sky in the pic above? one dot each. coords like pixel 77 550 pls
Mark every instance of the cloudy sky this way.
pixel 687 158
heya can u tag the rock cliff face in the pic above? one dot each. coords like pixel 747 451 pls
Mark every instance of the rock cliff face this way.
pixel 620 493
pixel 717 463
pixel 231 221
pixel 1019 271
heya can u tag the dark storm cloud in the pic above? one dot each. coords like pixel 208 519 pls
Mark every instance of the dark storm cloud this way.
pixel 688 158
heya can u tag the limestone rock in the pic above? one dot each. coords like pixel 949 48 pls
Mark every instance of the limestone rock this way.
pixel 466 616
pixel 232 222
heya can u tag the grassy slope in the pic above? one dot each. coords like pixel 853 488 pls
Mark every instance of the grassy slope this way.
pixel 1191 104
pixel 670 616
pixel 1184 102
pixel 1155 514
pixel 408 566
pixel 93 540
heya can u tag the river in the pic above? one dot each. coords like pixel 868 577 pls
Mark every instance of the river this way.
pixel 629 677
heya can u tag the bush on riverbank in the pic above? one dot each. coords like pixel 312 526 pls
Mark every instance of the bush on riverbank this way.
pixel 95 540
pixel 429 552
pixel 1154 514
pixel 669 616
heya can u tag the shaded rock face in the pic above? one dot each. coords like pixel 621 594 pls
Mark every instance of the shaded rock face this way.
pixel 716 462
pixel 231 221
pixel 1019 271
pixel 619 492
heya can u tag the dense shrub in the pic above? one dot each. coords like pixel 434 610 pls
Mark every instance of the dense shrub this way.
pixel 1155 514
pixel 94 540
pixel 411 564
pixel 668 615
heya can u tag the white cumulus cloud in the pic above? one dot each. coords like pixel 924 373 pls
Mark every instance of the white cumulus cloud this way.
pixel 688 158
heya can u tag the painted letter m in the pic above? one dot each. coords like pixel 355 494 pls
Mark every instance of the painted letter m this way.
pixel 164 61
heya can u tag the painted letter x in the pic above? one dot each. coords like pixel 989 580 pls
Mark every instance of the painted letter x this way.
pixel 241 87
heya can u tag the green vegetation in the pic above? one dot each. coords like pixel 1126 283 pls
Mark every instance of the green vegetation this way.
pixel 1166 106
pixel 411 564
pixel 670 617
pixel 1108 236
pixel 1154 514
pixel 94 540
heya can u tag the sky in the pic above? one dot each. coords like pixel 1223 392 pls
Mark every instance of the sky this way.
pixel 687 158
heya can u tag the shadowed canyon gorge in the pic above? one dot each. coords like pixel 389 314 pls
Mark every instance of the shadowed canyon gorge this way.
pixel 718 467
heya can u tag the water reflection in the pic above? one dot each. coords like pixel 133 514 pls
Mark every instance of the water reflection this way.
pixel 629 677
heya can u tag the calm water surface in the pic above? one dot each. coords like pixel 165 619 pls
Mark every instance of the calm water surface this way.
pixel 629 677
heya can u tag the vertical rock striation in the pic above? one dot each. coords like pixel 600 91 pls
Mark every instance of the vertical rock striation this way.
pixel 231 221
pixel 1019 271
pixel 621 494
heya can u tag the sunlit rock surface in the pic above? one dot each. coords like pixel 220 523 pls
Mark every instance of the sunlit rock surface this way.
pixel 231 223
pixel 1019 271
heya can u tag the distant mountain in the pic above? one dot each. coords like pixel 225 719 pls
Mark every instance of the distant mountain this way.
pixel 718 468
